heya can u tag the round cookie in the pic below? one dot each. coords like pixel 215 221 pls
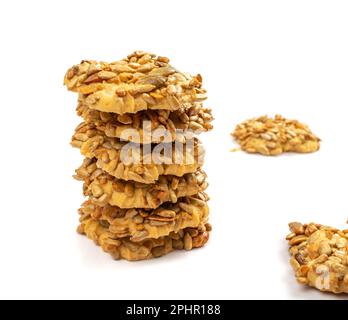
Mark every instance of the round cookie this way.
pixel 146 164
pixel 106 189
pixel 151 126
pixel 272 137
pixel 140 224
pixel 124 248
pixel 142 81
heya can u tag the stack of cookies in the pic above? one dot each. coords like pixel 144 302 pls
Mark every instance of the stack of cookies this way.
pixel 142 168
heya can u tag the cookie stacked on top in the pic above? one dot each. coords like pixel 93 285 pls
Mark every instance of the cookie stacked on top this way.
pixel 142 168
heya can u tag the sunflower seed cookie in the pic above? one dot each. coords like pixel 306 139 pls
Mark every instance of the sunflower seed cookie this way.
pixel 146 168
pixel 165 126
pixel 106 189
pixel 124 248
pixel 272 137
pixel 142 81
pixel 142 172
pixel 141 224
pixel 319 256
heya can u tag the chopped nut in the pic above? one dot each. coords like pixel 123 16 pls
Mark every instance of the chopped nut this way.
pixel 187 241
pixel 121 92
pixel 296 228
pixel 290 236
pixel 163 59
pixel 325 248
pixel 166 213
pixel 297 240
pixel 106 75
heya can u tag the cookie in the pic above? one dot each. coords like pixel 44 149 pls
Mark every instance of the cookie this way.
pixel 141 81
pixel 319 256
pixel 272 137
pixel 140 224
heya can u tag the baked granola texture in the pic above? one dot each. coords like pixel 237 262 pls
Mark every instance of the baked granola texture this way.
pixel 106 189
pixel 164 125
pixel 123 248
pixel 273 136
pixel 139 224
pixel 142 81
pixel 142 169
pixel 319 256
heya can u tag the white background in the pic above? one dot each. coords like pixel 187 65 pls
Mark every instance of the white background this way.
pixel 256 57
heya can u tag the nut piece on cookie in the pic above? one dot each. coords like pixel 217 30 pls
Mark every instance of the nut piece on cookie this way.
pixel 319 256
pixel 273 136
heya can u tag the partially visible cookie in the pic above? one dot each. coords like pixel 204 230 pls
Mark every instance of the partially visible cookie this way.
pixel 319 256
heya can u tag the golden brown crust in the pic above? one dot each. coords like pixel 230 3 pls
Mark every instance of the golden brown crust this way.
pixel 140 224
pixel 272 137
pixel 142 81
pixel 106 189
pixel 319 256
pixel 124 248
pixel 174 125
pixel 108 151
